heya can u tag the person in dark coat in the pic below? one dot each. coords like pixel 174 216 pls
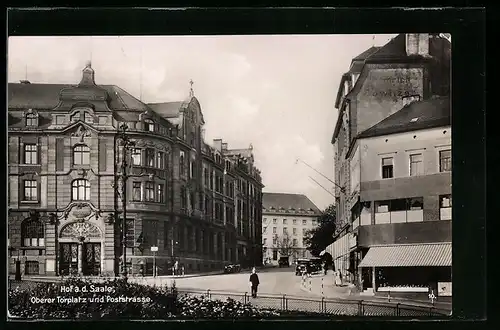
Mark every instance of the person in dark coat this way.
pixel 254 282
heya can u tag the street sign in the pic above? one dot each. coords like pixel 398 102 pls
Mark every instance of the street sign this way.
pixel 154 249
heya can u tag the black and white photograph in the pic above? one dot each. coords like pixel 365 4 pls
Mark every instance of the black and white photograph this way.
pixel 229 176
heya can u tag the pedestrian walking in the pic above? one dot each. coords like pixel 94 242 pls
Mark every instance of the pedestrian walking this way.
pixel 176 267
pixel 337 278
pixel 254 282
pixel 325 267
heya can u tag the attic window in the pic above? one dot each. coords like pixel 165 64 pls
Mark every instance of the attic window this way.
pixel 414 120
pixel 149 125
pixel 31 119
pixel 407 100
pixel 88 118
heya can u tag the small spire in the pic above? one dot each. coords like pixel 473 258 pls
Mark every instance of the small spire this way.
pixel 88 74
pixel 191 91
pixel 373 40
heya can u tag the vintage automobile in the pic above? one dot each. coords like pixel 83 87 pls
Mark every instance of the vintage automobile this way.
pixel 232 269
pixel 301 266
pixel 284 262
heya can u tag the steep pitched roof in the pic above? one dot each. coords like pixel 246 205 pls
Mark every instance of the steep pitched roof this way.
pixel 367 53
pixel 418 115
pixel 395 48
pixel 286 201
pixel 167 109
pixel 46 96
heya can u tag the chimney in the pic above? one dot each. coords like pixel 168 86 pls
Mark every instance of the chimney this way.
pixel 218 144
pixel 25 82
pixel 88 75
pixel 224 146
pixel 417 44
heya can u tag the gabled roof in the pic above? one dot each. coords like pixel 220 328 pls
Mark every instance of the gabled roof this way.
pixel 46 96
pixel 287 201
pixel 418 115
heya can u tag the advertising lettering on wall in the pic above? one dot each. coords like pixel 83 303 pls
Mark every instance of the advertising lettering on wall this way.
pixel 394 83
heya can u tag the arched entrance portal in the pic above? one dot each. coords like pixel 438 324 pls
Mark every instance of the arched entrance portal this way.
pixel 80 249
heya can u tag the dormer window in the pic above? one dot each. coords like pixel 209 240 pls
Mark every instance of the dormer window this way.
pixel 75 117
pixel 31 120
pixel 88 118
pixel 149 125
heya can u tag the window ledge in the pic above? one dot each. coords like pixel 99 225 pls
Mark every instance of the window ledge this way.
pixel 23 164
pixel 30 202
pixel 31 247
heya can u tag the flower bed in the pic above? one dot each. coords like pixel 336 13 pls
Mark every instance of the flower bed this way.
pixel 60 301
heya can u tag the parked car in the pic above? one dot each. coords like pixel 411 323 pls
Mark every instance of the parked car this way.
pixel 301 266
pixel 232 269
pixel 284 262
pixel 315 265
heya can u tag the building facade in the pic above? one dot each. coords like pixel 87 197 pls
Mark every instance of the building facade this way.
pixel 65 196
pixel 393 161
pixel 286 218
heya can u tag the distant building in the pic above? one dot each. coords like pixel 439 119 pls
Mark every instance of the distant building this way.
pixel 393 160
pixel 285 220
pixel 198 204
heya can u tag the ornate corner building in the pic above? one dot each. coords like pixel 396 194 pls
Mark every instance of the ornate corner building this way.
pixel 198 204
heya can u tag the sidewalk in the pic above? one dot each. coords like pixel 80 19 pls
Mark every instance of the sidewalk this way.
pixel 42 278
pixel 331 291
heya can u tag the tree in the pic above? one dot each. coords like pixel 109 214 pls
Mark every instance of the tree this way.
pixel 317 239
pixel 285 245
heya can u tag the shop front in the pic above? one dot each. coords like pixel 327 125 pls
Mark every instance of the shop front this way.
pixel 408 268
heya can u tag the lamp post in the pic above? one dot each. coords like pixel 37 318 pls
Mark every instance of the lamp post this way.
pixel 123 177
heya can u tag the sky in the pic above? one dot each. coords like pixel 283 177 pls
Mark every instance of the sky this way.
pixel 274 92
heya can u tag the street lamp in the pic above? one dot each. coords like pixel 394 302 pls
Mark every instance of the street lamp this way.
pixel 123 177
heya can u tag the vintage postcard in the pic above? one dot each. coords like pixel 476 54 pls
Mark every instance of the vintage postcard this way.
pixel 229 177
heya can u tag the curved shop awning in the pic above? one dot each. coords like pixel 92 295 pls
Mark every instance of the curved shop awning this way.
pixel 408 255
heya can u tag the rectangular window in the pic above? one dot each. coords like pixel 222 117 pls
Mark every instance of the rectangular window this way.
pixel 382 207
pixel 445 161
pixel 264 230
pixel 30 154
pixel 275 221
pixel 183 198
pixel 150 191
pixel 285 221
pixel 275 254
pixel 314 222
pixel 150 125
pixel 30 190
pixel 445 207
pixel 150 232
pixel 285 230
pixel 387 168
pixel 191 170
pixel 304 231
pixel 275 230
pixel 182 169
pixel 160 160
pixel 294 230
pixel 416 165
pixel 304 222
pixel 265 241
pixel 294 221
pixel 150 157
pixel 60 119
pixel 205 176
pixel 136 156
pixel 88 118
pixel 294 242
pixel 161 193
pixel 137 191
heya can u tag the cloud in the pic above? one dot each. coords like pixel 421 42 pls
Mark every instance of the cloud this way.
pixel 242 107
